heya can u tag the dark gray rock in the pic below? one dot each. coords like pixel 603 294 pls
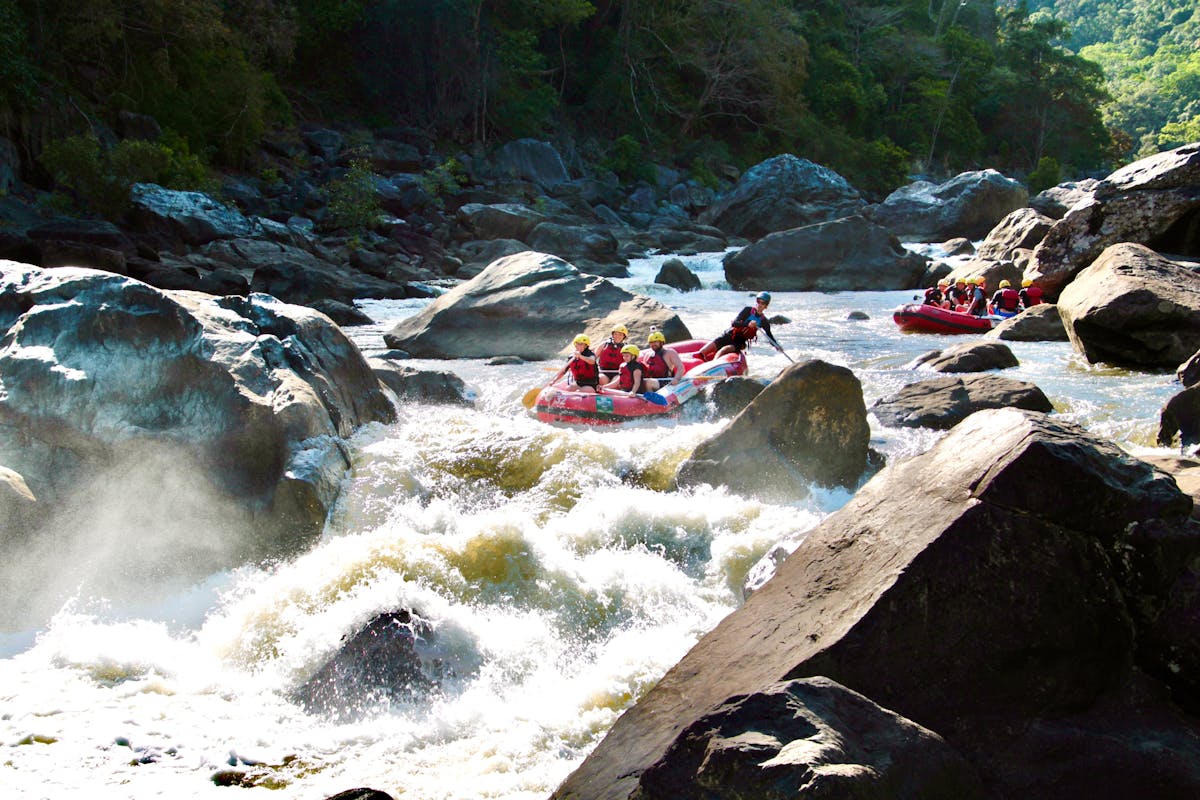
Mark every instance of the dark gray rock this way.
pixel 808 426
pixel 844 254
pixel 968 205
pixel 191 217
pixel 1040 323
pixel 675 274
pixel 423 386
pixel 942 403
pixel 966 357
pixel 781 193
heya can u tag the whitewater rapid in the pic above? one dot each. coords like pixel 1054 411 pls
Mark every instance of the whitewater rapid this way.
pixel 559 576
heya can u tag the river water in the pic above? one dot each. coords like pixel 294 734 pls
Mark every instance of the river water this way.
pixel 560 578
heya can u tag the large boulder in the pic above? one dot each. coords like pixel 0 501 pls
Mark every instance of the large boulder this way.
pixel 1022 229
pixel 969 204
pixel 1135 308
pixel 846 254
pixel 191 217
pixel 810 738
pixel 995 590
pixel 198 431
pixel 591 248
pixel 499 220
pixel 808 426
pixel 1154 201
pixel 1040 323
pixel 529 305
pixel 530 160
pixel 942 403
pixel 781 193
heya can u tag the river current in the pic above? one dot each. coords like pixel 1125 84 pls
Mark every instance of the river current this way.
pixel 560 577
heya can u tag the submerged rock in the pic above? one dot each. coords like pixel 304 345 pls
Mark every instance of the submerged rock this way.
pixel 999 590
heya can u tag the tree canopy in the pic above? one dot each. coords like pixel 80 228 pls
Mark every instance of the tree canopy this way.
pixel 876 89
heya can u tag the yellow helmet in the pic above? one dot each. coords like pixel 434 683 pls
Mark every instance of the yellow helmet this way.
pixel 656 336
pixel 1005 284
pixel 621 329
pixel 631 349
pixel 583 339
pixel 1027 282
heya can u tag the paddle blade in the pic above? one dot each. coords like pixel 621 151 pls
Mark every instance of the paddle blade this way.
pixel 655 398
pixel 531 397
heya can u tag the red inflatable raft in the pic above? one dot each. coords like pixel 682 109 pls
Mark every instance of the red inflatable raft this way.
pixel 560 403
pixel 922 318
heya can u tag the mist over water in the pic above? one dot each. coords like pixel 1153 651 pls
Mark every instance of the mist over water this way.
pixel 556 577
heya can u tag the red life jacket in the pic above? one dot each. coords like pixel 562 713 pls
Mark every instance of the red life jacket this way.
pixel 1007 299
pixel 655 365
pixel 585 373
pixel 609 356
pixel 625 376
pixel 1032 295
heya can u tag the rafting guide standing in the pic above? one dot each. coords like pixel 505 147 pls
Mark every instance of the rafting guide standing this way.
pixel 744 328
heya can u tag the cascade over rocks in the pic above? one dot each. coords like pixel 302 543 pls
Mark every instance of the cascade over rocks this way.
pixel 224 416
pixel 808 425
pixel 529 305
pixel 1135 308
pixel 1040 323
pixel 969 204
pixel 999 590
pixel 1155 202
pixel 942 403
pixel 781 193
pixel 844 254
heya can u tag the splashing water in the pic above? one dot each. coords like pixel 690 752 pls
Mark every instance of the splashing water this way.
pixel 555 574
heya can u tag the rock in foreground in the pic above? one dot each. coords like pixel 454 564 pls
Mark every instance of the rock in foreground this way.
pixel 980 590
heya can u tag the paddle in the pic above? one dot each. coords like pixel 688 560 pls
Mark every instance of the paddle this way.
pixel 778 347
pixel 531 396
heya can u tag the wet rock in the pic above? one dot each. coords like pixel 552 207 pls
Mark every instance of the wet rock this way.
pixel 806 738
pixel 781 193
pixel 858 316
pixel 675 274
pixel 361 794
pixel 342 313
pixel 845 254
pixel 1135 308
pixel 1040 323
pixel 942 403
pixel 387 660
pixel 969 205
pixel 1021 229
pixel 1189 371
pixel 1180 416
pixel 424 386
pixel 980 590
pixel 730 397
pixel 966 357
pixel 809 425
pixel 1154 201
pixel 224 416
pixel 529 305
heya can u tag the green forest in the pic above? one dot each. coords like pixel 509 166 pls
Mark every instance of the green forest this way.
pixel 876 89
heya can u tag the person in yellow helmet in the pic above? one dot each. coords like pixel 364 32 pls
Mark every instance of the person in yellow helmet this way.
pixel 958 295
pixel 979 304
pixel 629 379
pixel 582 366
pixel 608 355
pixel 660 363
pixel 1030 295
pixel 1006 302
